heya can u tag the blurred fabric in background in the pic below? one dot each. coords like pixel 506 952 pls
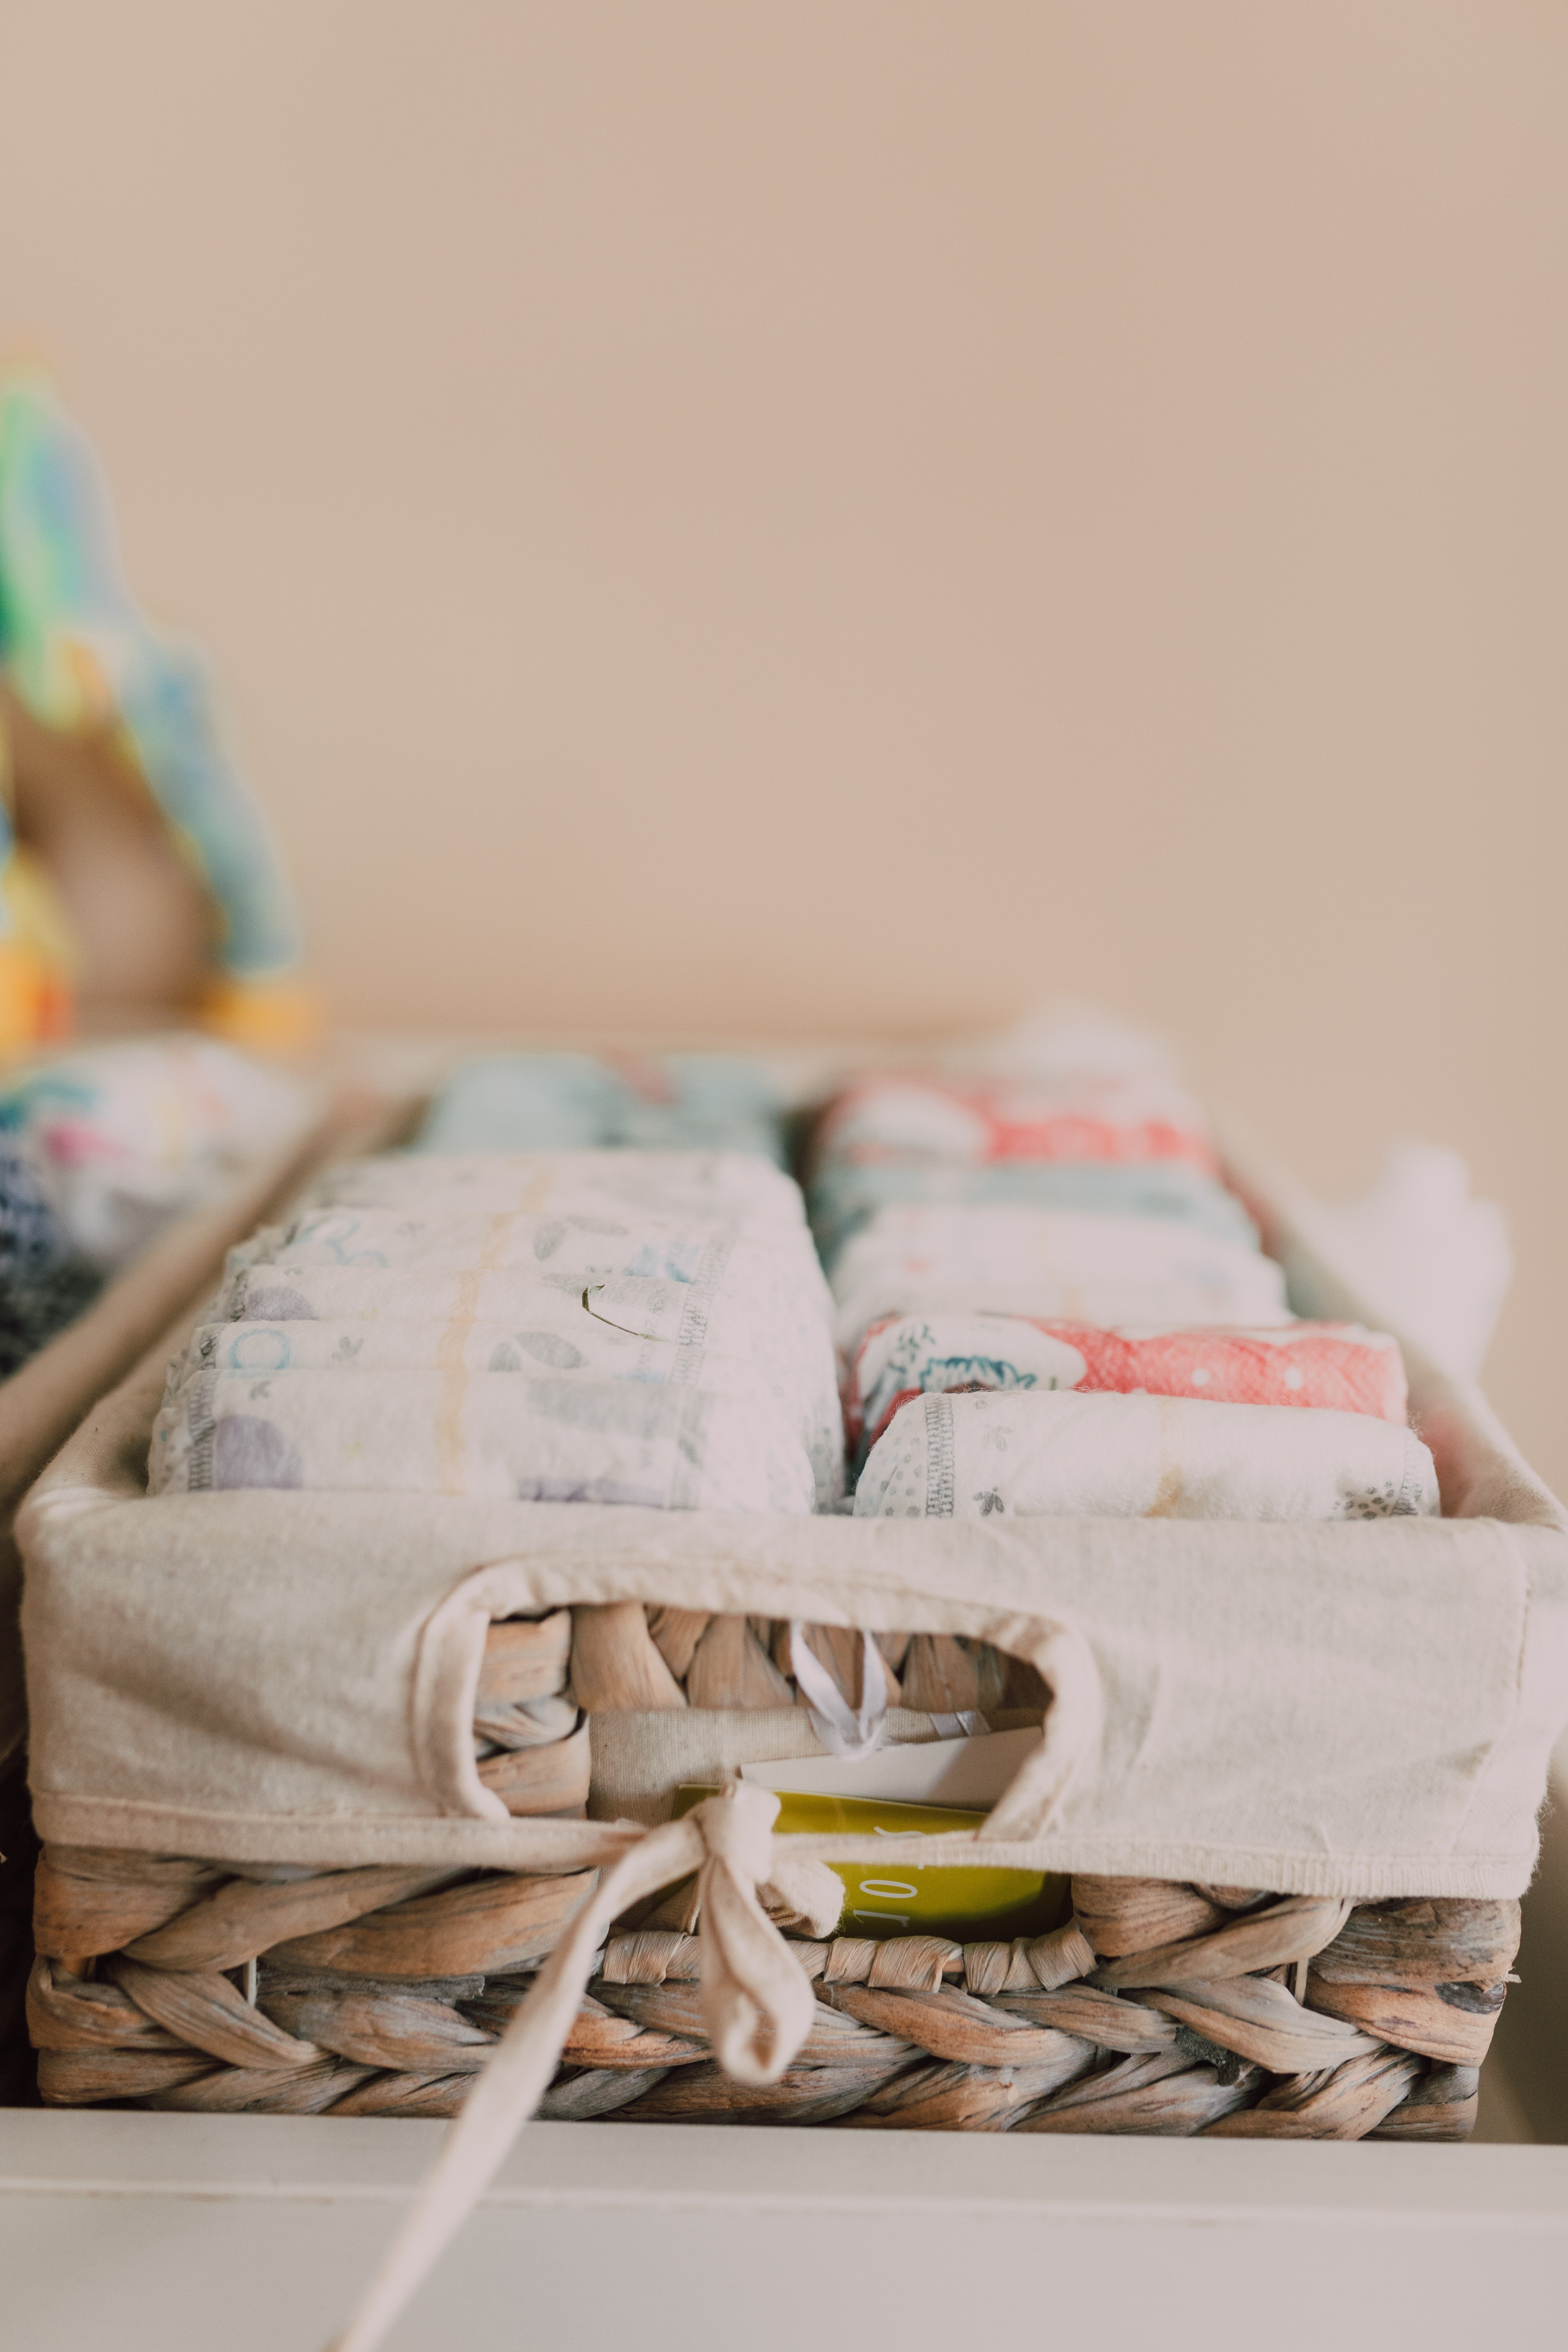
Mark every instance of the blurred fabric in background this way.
pixel 733 523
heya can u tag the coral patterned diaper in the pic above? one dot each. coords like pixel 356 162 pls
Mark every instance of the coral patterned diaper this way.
pixel 969 1119
pixel 1335 1366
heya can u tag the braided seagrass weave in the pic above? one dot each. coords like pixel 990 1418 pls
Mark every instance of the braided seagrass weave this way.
pixel 625 1656
pixel 1158 2008
pixel 171 1983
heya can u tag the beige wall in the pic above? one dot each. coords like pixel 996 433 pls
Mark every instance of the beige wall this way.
pixel 850 516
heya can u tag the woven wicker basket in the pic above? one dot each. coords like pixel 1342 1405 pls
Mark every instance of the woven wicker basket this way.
pixel 200 1981
pixel 171 1983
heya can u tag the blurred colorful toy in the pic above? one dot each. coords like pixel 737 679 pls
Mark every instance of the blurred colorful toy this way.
pixel 109 748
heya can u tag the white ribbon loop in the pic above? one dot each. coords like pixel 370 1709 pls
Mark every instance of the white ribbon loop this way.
pixel 845 1731
pixel 757 2002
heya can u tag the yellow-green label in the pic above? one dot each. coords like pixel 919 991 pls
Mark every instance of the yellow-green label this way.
pixel 971 1904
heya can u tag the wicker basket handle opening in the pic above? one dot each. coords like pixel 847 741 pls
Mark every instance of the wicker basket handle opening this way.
pixel 1070 1734
pixel 447 1666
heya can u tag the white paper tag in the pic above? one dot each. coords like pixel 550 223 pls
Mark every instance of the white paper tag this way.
pixel 971 1774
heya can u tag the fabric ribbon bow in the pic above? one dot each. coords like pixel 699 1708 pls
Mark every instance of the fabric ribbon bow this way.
pixel 756 2003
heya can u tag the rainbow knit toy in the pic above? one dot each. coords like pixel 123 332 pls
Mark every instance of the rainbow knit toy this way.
pixel 77 654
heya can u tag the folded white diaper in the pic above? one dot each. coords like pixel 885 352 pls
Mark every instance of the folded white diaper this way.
pixel 458 1431
pixel 1068 1263
pixel 1043 1453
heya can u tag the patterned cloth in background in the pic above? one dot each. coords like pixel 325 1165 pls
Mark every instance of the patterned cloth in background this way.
pixel 1333 1366
pixel 98 1149
pixel 1038 1455
pixel 45 1283
pixel 543 1102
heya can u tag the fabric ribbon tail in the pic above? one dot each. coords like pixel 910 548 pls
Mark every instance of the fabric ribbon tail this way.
pixel 512 2084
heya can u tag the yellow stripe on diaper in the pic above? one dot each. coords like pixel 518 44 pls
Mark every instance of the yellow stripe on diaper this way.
pixel 451 1354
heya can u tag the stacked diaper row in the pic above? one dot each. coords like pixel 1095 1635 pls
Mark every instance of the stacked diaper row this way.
pixel 602 1326
pixel 1048 1301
